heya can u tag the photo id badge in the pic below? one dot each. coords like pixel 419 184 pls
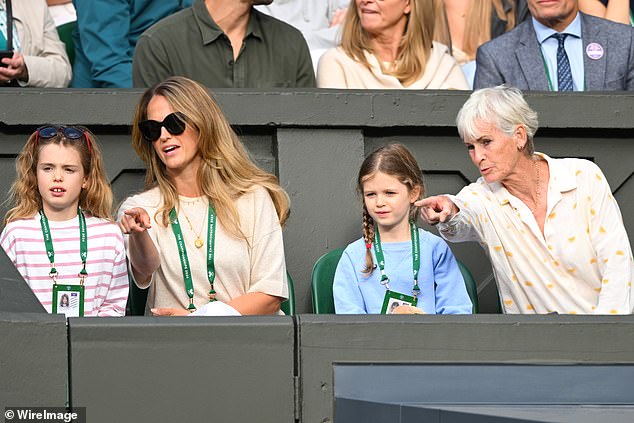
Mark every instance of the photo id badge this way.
pixel 68 300
pixel 394 299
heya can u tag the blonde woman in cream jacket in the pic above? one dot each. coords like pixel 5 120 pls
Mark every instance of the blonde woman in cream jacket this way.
pixel 388 44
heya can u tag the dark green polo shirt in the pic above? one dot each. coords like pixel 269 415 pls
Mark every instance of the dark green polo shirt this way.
pixel 189 43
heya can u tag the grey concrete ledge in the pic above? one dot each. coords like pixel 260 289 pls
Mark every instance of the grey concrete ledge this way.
pixel 470 339
pixel 317 107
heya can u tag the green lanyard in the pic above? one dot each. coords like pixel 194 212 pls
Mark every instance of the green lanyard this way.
pixel 50 251
pixel 182 252
pixel 378 250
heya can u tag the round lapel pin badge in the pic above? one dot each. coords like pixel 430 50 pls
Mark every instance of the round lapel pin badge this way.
pixel 594 51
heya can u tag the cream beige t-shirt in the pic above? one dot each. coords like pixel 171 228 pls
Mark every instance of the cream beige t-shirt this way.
pixel 338 70
pixel 241 267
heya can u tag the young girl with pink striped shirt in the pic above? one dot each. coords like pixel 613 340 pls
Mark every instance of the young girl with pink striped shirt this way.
pixel 59 232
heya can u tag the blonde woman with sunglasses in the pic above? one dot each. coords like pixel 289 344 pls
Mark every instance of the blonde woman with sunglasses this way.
pixel 206 235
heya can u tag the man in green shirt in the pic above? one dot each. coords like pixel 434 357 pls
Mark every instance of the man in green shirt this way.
pixel 224 44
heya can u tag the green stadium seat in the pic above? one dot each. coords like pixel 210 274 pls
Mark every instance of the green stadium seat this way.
pixel 288 306
pixel 323 277
pixel 65 33
pixel 472 288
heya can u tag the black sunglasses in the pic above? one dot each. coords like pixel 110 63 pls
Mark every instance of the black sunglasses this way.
pixel 151 129
pixel 68 132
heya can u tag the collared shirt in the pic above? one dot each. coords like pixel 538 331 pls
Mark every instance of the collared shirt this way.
pixel 311 17
pixel 581 264
pixel 190 43
pixel 574 49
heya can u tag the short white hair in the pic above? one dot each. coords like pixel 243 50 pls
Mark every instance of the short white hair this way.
pixel 501 106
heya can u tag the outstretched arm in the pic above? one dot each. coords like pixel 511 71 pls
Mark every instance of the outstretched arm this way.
pixel 144 257
pixel 437 209
pixel 456 222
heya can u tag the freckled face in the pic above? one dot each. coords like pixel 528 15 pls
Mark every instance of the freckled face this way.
pixel 495 153
pixel 60 179
pixel 388 201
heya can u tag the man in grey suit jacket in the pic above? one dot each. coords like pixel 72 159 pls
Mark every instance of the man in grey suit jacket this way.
pixel 517 58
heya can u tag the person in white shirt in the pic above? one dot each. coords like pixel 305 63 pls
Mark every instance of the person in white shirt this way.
pixel 62 11
pixel 551 227
pixel 319 21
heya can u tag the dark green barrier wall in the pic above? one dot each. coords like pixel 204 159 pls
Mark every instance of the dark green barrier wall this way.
pixel 33 360
pixel 183 369
pixel 282 369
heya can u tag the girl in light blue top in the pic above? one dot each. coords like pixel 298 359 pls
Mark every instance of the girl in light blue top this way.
pixel 396 267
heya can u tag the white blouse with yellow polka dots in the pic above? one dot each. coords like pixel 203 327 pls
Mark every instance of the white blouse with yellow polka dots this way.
pixel 582 264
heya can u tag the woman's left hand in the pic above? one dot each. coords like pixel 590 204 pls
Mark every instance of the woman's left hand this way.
pixel 169 312
pixel 15 68
pixel 407 309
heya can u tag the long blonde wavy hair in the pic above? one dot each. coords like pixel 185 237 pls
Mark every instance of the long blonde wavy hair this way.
pixel 24 197
pixel 478 23
pixel 226 171
pixel 415 47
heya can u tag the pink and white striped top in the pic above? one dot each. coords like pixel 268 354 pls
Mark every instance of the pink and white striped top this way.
pixel 106 287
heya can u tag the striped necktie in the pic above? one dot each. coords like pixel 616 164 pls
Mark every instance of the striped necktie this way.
pixel 564 75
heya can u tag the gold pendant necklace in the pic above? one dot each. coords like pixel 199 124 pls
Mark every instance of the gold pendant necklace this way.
pixel 198 243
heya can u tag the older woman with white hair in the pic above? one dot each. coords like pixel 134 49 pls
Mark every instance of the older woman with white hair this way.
pixel 551 227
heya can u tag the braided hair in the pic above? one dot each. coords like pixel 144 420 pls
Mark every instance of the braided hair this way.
pixel 368 237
